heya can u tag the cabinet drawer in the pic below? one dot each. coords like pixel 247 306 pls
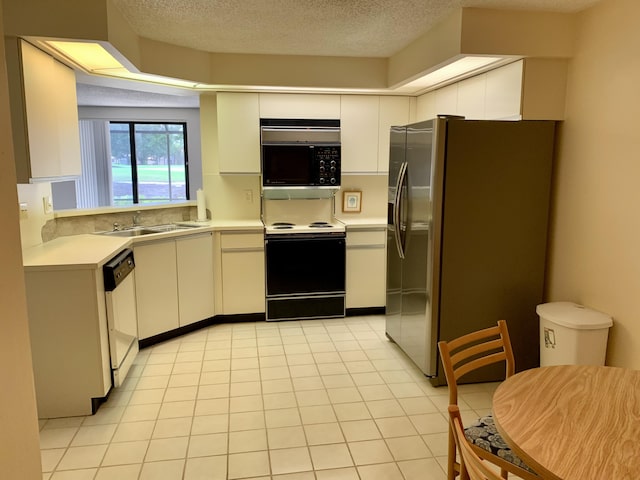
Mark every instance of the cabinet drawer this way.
pixel 366 237
pixel 242 241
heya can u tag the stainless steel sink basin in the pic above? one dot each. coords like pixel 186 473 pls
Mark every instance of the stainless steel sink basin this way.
pixel 169 227
pixel 132 232
pixel 138 231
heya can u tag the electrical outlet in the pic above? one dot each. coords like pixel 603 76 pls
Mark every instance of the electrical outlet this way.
pixel 248 196
pixel 24 211
pixel 47 204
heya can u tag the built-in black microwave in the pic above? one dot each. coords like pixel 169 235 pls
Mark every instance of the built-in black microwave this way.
pixel 300 153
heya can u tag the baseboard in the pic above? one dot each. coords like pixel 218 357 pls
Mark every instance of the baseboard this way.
pixel 353 312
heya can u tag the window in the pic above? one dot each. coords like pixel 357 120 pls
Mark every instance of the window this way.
pixel 128 163
pixel 148 162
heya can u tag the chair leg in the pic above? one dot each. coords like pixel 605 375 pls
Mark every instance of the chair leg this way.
pixel 451 458
pixel 464 475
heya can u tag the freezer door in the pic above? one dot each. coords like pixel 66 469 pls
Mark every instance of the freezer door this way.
pixel 394 260
pixel 416 322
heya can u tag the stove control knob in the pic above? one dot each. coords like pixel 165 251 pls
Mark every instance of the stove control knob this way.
pixel 333 180
pixel 322 180
pixel 333 169
pixel 321 169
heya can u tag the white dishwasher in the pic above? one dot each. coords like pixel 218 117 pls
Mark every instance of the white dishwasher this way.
pixel 120 293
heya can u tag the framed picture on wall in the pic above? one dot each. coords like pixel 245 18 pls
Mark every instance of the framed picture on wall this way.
pixel 352 201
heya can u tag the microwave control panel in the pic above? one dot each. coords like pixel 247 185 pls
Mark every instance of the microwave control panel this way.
pixel 327 163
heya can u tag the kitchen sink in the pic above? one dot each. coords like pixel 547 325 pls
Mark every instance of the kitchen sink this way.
pixel 132 232
pixel 138 231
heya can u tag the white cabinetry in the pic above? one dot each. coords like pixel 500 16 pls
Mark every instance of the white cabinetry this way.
pixel 366 268
pixel 447 100
pixel 238 132
pixel 156 287
pixel 243 283
pixel 69 339
pixel 43 99
pixel 393 111
pixel 504 92
pixel 471 97
pixel 279 105
pixel 174 283
pixel 495 95
pixel 365 122
pixel 359 133
pixel 194 257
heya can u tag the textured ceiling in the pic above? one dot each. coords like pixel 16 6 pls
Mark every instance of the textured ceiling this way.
pixel 359 28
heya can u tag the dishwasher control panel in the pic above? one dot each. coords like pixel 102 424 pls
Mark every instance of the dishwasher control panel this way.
pixel 117 269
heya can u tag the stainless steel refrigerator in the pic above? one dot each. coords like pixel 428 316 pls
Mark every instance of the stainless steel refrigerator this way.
pixel 468 212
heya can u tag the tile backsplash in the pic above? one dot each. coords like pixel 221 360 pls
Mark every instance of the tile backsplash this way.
pixel 75 225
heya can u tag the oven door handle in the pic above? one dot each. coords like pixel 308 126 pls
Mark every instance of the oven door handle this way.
pixel 398 209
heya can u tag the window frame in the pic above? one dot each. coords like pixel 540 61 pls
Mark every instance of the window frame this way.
pixel 134 159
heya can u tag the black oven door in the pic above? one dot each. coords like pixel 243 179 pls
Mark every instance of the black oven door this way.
pixel 287 165
pixel 305 264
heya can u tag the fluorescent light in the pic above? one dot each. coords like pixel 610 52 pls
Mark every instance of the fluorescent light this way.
pixel 146 77
pixel 451 71
pixel 90 56
pixel 94 58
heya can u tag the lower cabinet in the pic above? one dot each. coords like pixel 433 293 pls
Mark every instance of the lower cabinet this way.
pixel 366 268
pixel 195 278
pixel 243 288
pixel 174 283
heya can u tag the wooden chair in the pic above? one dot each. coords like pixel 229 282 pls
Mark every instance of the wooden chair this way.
pixel 471 465
pixel 466 354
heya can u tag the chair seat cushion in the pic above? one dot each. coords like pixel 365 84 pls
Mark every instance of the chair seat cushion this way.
pixel 483 433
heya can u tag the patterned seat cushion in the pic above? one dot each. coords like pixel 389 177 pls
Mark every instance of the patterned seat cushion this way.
pixel 483 433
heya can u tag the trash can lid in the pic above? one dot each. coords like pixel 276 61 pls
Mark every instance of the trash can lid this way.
pixel 572 315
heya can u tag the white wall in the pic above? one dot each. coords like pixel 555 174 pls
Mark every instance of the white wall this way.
pixel 595 236
pixel 19 441
pixel 32 221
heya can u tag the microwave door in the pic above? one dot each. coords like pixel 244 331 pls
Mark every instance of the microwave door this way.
pixel 287 165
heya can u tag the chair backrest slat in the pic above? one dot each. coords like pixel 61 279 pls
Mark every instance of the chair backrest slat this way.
pixel 474 337
pixel 476 350
pixel 478 363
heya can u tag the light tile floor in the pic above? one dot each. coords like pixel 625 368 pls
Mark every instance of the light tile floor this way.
pixel 299 400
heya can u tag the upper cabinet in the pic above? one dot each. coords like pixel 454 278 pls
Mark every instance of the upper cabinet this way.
pixel 359 133
pixel 284 105
pixel 529 89
pixel 364 119
pixel 393 111
pixel 365 122
pixel 238 132
pixel 44 114
pixel 504 92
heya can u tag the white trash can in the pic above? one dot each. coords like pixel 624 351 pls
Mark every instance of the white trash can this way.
pixel 571 334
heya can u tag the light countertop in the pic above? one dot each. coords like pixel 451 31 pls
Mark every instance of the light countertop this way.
pixel 364 223
pixel 73 252
pixel 92 251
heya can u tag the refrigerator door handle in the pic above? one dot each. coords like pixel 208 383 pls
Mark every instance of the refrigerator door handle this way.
pixel 397 208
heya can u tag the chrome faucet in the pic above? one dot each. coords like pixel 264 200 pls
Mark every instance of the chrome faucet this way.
pixel 136 218
pixel 116 226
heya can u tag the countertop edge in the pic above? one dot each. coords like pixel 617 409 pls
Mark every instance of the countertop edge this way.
pixel 92 250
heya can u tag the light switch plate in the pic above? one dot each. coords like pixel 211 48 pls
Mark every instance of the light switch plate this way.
pixel 47 204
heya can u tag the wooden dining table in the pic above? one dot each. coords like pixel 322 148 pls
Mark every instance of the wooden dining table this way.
pixel 573 422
